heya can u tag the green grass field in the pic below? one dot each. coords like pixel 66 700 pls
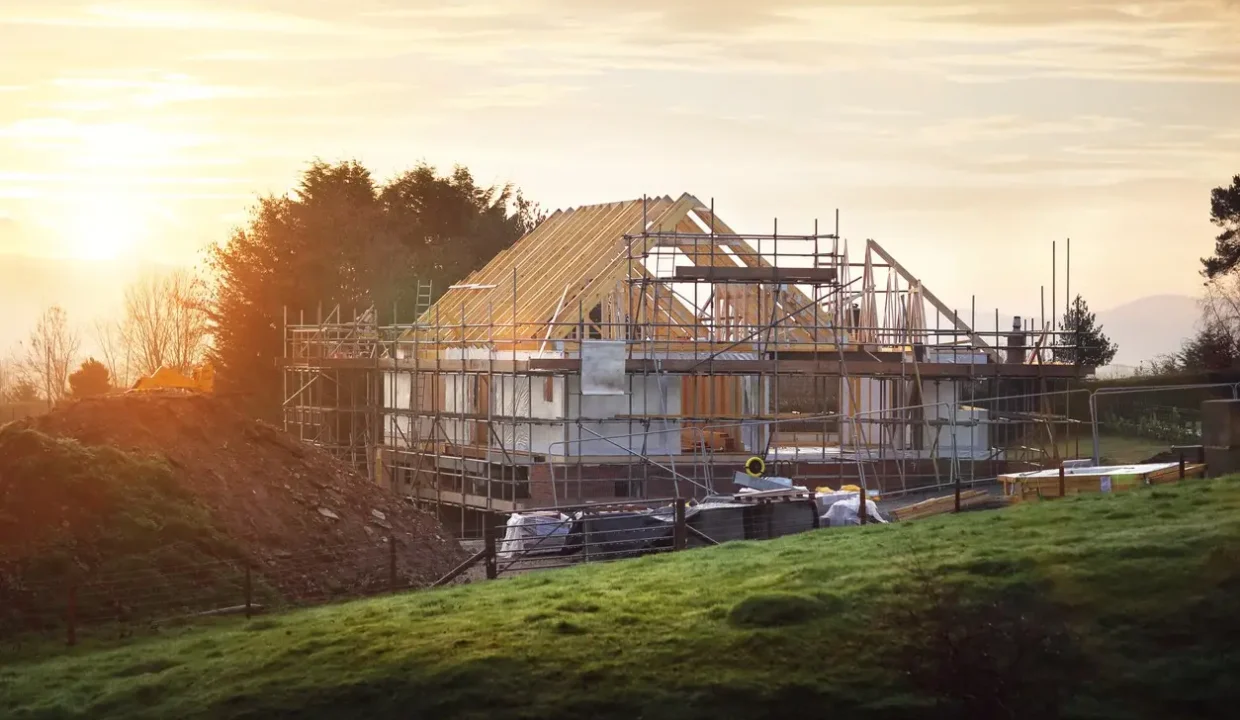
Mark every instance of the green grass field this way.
pixel 1092 607
pixel 1121 449
pixel 1116 449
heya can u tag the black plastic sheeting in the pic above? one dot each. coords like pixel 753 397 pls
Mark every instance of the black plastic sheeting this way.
pixel 619 535
pixel 623 535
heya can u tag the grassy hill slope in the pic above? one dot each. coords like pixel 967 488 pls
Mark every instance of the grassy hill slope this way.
pixel 153 504
pixel 1106 606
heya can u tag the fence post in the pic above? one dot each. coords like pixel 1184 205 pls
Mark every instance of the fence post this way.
pixel 680 531
pixel 488 545
pixel 71 614
pixel 863 512
pixel 392 562
pixel 1181 464
pixel 957 491
pixel 1063 490
pixel 249 593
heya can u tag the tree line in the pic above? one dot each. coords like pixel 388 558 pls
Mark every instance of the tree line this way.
pixel 163 323
pixel 339 238
pixel 343 238
pixel 1215 343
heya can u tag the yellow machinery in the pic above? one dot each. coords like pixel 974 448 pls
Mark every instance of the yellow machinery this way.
pixel 202 379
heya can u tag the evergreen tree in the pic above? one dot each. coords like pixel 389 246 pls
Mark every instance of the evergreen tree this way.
pixel 1212 348
pixel 1081 340
pixel 90 379
pixel 343 239
pixel 1225 213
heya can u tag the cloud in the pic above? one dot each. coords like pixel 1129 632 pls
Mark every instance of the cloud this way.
pixel 1116 13
pixel 10 233
pixel 911 108
pixel 521 95
pixel 146 90
pixel 964 41
pixel 1011 127
pixel 143 181
pixel 951 39
pixel 171 16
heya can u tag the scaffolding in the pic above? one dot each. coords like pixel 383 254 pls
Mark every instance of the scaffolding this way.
pixel 645 349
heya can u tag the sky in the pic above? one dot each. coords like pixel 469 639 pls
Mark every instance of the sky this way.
pixel 963 136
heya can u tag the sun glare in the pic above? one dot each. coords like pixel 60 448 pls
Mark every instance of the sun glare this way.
pixel 104 227
pixel 111 216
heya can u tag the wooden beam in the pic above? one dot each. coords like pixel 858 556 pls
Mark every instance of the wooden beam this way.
pixel 856 365
pixel 551 323
pixel 938 304
pixel 755 274
pixel 609 267
pixel 751 258
pixel 423 365
pixel 858 368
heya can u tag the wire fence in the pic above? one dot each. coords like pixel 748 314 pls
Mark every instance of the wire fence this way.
pixel 71 602
pixel 10 411
pixel 69 605
pixel 568 536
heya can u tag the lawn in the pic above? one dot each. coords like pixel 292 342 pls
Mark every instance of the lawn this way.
pixel 1115 449
pixel 1110 606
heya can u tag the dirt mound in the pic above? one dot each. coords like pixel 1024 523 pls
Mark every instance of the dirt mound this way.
pixel 168 479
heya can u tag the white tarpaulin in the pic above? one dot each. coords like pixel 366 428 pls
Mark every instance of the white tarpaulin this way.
pixel 602 367
pixel 845 512
pixel 534 533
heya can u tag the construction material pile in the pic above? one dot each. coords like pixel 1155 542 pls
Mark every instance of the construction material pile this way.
pixel 161 487
pixel 945 504
pixel 1088 479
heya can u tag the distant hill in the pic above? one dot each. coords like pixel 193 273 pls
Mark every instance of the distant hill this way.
pixel 1150 326
pixel 1143 328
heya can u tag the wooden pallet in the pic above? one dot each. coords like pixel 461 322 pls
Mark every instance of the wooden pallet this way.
pixel 768 496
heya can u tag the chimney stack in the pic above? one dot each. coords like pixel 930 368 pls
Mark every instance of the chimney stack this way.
pixel 1016 343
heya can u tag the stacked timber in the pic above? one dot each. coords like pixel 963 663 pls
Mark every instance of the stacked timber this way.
pixel 1172 474
pixel 1020 487
pixel 940 505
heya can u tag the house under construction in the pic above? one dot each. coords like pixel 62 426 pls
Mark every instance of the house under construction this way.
pixel 645 349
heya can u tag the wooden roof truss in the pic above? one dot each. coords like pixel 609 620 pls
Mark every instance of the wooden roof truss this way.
pixel 601 271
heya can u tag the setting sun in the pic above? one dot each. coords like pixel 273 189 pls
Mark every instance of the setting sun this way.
pixel 103 227
pixel 106 210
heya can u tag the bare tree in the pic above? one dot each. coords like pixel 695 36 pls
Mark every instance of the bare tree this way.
pixel 188 316
pixel 1220 306
pixel 50 353
pixel 165 323
pixel 110 337
pixel 8 378
pixel 145 325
